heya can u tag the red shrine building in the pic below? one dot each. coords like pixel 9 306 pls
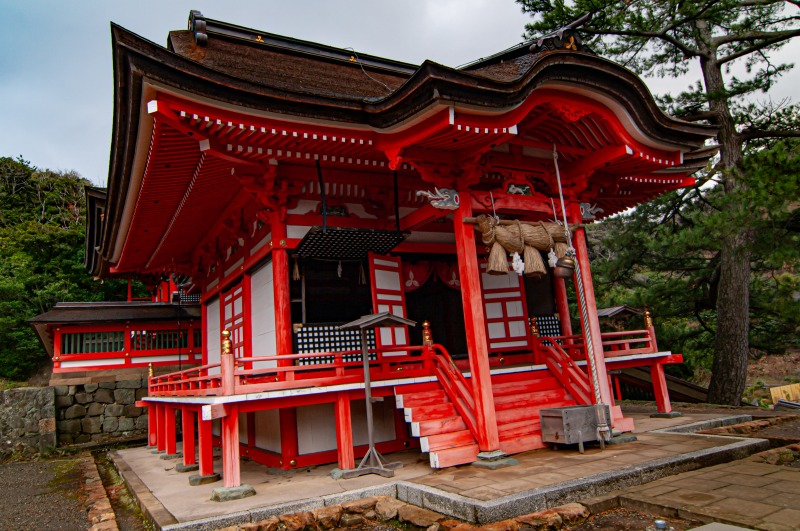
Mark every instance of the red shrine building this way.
pixel 294 187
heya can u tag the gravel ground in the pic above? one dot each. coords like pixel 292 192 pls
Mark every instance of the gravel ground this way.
pixel 41 496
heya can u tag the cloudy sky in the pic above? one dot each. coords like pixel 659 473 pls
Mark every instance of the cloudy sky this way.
pixel 56 72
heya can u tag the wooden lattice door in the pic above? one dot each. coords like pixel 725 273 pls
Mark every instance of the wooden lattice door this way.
pixel 505 309
pixel 386 278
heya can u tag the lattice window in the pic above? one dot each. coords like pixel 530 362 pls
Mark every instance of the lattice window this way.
pixel 233 318
pixel 159 339
pixel 91 342
pixel 311 339
pixel 549 326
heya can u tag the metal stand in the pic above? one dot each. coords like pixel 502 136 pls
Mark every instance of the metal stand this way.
pixel 373 462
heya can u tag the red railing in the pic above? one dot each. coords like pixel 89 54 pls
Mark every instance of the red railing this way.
pixel 614 344
pixel 455 386
pixel 572 377
pixel 248 377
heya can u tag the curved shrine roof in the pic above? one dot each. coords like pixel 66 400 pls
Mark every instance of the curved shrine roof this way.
pixel 223 97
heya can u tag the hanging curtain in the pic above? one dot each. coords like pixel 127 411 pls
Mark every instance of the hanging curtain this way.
pixel 416 274
pixel 448 273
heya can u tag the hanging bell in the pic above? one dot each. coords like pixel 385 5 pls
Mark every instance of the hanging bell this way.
pixel 565 267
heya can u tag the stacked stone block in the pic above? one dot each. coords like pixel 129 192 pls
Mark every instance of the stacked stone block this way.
pixel 102 411
pixel 27 421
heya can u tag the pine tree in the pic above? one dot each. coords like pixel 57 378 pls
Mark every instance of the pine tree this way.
pixel 663 38
pixel 42 227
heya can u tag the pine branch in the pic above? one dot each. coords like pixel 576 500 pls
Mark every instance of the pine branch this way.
pixel 753 36
pixel 702 115
pixel 782 133
pixel 662 35
pixel 779 37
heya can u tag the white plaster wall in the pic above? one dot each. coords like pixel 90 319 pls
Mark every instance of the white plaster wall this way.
pixel 263 315
pixel 212 325
pixel 316 425
pixel 268 430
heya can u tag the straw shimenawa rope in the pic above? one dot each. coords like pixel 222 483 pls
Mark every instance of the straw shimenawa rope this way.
pixel 520 236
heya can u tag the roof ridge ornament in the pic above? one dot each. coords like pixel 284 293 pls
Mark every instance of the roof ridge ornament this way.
pixel 564 38
pixel 197 25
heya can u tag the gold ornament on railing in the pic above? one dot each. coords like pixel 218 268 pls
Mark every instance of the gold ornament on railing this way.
pixel 226 342
pixel 534 326
pixel 427 335
pixel 648 321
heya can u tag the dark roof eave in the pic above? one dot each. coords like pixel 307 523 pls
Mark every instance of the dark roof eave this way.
pixel 431 82
pixel 136 58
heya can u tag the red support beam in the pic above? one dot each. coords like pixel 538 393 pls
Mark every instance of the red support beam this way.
pixel 593 324
pixel 205 442
pixel 344 431
pixel 562 305
pixel 152 425
pixel 187 427
pixel 289 445
pixel 421 217
pixel 169 430
pixel 660 388
pixel 283 329
pixel 161 429
pixel 230 447
pixel 474 319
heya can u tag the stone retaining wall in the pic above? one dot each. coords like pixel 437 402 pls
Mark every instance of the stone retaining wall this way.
pixel 103 411
pixel 27 421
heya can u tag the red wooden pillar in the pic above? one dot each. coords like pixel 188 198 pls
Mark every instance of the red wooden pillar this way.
pixel 204 441
pixel 161 430
pixel 344 431
pixel 169 429
pixel 660 388
pixel 562 305
pixel 152 425
pixel 283 329
pixel 593 324
pixel 230 446
pixel 617 388
pixel 251 429
pixel 475 325
pixel 187 427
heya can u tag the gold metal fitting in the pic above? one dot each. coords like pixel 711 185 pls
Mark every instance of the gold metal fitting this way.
pixel 648 320
pixel 226 342
pixel 293 462
pixel 427 335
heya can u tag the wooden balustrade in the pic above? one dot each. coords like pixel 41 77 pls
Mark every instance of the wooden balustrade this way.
pixel 615 344
pixel 250 376
pixel 272 373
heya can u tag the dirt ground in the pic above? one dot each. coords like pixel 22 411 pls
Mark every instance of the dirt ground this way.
pixel 42 495
pixel 621 518
pixel 776 369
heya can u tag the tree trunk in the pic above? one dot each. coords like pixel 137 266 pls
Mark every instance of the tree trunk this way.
pixel 731 343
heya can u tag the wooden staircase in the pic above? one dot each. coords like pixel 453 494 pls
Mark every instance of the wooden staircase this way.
pixel 445 435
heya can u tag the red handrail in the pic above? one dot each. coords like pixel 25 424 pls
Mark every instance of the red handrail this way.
pixel 455 386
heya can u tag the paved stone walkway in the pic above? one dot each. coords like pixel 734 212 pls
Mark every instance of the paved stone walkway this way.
pixel 538 473
pixel 747 493
pixel 546 467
